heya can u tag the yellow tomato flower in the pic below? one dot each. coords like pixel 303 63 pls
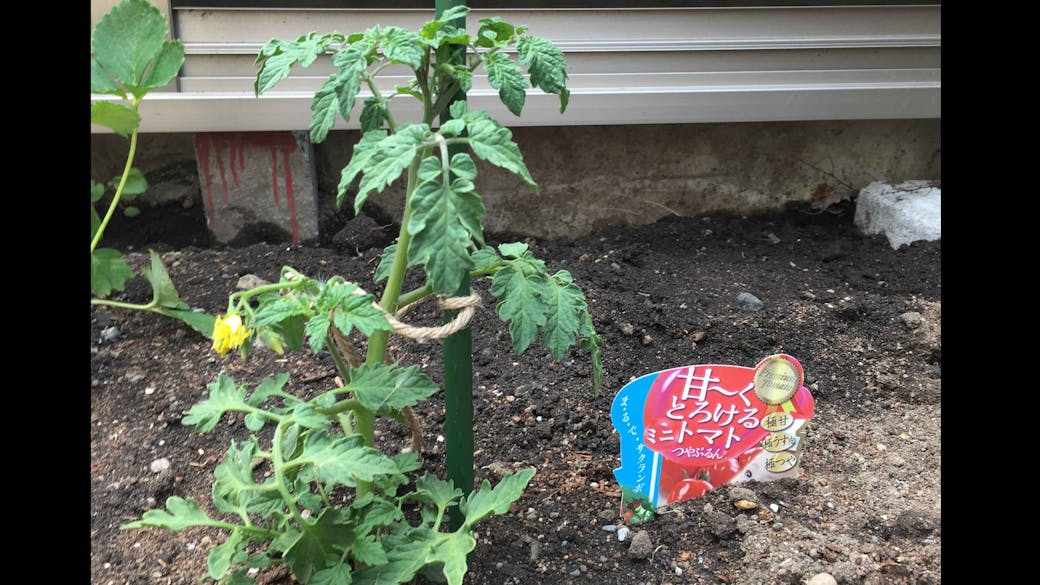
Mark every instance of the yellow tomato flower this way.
pixel 228 333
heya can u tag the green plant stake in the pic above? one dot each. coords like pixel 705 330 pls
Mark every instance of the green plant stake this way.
pixel 329 507
pixel 130 57
pixel 458 347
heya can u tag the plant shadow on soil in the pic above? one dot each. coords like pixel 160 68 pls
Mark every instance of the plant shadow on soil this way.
pixel 863 319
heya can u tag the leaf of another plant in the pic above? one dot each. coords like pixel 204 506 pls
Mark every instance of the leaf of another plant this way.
pixel 136 183
pixel 165 64
pixel 505 75
pixel 127 38
pixel 201 322
pixel 100 82
pixel 182 514
pixel 131 211
pixel 121 119
pixel 164 294
pixel 108 271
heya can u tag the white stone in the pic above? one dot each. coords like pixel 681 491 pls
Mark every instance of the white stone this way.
pixel 908 212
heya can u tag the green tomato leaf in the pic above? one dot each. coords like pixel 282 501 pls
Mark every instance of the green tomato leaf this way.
pixel 485 258
pixel 513 250
pixel 565 303
pixel 233 478
pixel 277 58
pixel 290 441
pixel 368 551
pixel 219 561
pixel 494 143
pixel 127 38
pixel 437 492
pixel 278 310
pixel 452 552
pixel 546 65
pixel 384 165
pixel 121 119
pixel 495 500
pixel 452 127
pixel 495 32
pixel 254 421
pixel 108 271
pixel 444 219
pixel 453 13
pixel 342 460
pixel 374 114
pixel 323 109
pixel 201 322
pixel 381 513
pixel 380 387
pixel 224 396
pixel 520 288
pixel 505 75
pixel 318 544
pixel 364 150
pixel 401 45
pixel 240 577
pixel 164 294
pixel 317 329
pixel 267 388
pixel 353 310
pixel 386 263
pixel 307 416
pixel 337 574
pixel 182 514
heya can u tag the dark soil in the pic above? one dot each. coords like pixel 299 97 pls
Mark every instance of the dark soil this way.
pixel 866 508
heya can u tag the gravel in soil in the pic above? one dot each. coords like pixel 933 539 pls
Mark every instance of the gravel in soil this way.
pixel 864 321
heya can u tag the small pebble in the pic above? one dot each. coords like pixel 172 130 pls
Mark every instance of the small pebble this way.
pixel 641 547
pixel 678 571
pixel 190 546
pixel 250 281
pixel 774 508
pixel 608 527
pixel 594 485
pixel 160 465
pixel 628 329
pixel 912 319
pixel 149 390
pixel 772 238
pixel 622 533
pixel 741 493
pixel 822 579
pixel 749 302
pixel 647 340
pixel 134 378
pixel 440 438
pixel 110 333
pixel 576 573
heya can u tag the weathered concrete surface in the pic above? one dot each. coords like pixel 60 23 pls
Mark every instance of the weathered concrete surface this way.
pixel 595 176
pixel 908 212
pixel 258 181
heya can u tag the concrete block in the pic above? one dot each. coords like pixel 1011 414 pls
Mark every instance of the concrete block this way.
pixel 907 212
pixel 258 185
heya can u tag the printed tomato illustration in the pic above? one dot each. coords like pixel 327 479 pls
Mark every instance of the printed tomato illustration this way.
pixel 688 489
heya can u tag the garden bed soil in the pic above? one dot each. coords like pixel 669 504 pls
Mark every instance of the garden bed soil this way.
pixel 862 318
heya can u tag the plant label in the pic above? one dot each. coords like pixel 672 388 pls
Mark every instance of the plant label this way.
pixel 688 430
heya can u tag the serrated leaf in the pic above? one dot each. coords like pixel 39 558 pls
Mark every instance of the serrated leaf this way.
pixel 519 288
pixel 101 82
pixel 494 143
pixel 453 13
pixel 379 387
pixel 338 574
pixel 224 395
pixel 165 65
pixel 267 388
pixel 290 441
pixel 593 343
pixel 386 262
pixel 307 416
pixel 452 551
pixel 484 258
pixel 218 563
pixel 401 45
pixel 547 66
pixel 505 75
pixel 179 514
pixel 368 552
pixel 317 329
pixel 495 500
pixel 164 294
pixel 385 163
pixel 439 492
pixel 495 32
pixel 200 322
pixel 452 127
pixel 240 577
pixel 513 249
pixel 319 544
pixel 121 119
pixel 324 107
pixel 358 311
pixel 127 38
pixel 373 114
pixel 363 152
pixel 406 462
pixel 278 310
pixel 108 271
pixel 340 460
pixel 565 303
pixel 444 219
pixel 233 477
pixel 381 513
pixel 392 573
pixel 277 58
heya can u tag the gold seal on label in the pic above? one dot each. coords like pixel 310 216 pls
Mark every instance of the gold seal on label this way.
pixel 776 380
pixel 781 462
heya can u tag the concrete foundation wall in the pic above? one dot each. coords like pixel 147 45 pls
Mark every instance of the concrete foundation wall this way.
pixel 595 176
